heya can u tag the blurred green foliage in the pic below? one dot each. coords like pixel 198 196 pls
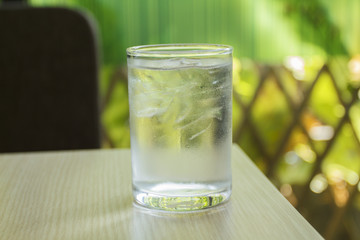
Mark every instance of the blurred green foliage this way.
pixel 263 30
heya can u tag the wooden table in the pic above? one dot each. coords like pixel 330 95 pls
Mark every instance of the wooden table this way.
pixel 87 195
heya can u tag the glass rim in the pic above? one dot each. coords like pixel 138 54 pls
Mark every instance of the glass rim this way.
pixel 179 50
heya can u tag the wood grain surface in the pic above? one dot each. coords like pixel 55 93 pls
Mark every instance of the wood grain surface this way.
pixel 87 195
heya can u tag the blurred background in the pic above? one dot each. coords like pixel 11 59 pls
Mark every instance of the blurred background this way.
pixel 296 107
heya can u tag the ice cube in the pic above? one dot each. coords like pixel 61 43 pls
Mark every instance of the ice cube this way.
pixel 190 62
pixel 179 63
pixel 201 131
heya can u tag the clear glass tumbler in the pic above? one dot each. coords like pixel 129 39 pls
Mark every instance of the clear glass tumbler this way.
pixel 180 124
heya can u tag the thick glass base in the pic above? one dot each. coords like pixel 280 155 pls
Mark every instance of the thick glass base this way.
pixel 181 197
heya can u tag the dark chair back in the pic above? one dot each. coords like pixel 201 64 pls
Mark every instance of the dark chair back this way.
pixel 48 80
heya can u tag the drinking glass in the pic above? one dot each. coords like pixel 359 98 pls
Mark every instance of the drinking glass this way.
pixel 180 98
